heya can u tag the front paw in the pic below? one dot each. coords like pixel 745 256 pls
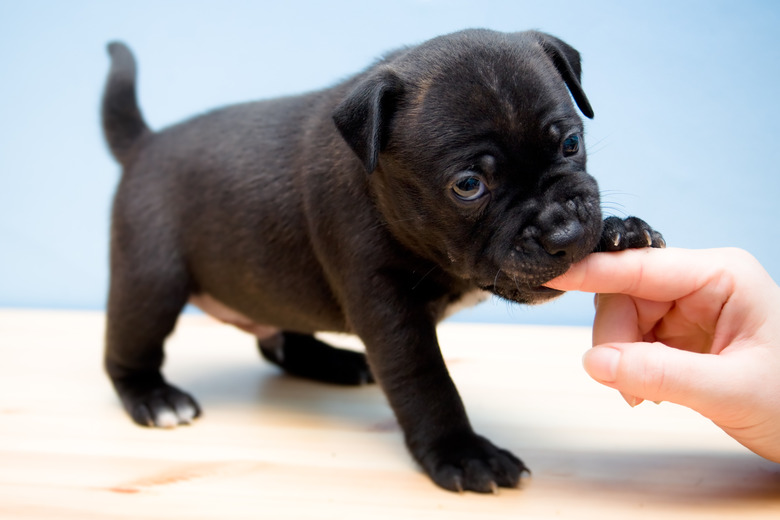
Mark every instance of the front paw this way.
pixel 153 402
pixel 630 233
pixel 469 462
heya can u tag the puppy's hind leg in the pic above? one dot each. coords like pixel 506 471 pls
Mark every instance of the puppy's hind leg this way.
pixel 305 356
pixel 142 312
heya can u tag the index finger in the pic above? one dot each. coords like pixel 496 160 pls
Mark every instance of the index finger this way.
pixel 652 274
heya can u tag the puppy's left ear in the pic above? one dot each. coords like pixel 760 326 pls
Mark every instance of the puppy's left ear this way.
pixel 363 118
pixel 567 60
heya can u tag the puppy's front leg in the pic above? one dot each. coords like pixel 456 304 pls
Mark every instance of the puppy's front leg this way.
pixel 404 355
pixel 629 233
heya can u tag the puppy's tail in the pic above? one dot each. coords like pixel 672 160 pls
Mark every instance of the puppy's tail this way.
pixel 123 124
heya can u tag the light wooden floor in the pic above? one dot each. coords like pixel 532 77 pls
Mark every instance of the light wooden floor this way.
pixel 270 446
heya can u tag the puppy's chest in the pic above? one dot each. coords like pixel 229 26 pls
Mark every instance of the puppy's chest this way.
pixel 465 301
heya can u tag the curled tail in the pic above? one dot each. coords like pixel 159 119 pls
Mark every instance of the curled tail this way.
pixel 123 124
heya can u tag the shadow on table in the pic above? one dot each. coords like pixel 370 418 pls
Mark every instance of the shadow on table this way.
pixel 699 480
pixel 661 478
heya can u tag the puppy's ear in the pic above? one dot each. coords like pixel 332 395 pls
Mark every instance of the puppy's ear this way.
pixel 363 118
pixel 567 60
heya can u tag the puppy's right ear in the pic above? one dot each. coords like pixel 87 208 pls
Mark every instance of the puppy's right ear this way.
pixel 363 118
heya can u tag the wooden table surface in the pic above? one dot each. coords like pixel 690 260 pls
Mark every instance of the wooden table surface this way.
pixel 272 446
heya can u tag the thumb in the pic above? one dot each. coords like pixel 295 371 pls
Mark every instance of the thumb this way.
pixel 656 372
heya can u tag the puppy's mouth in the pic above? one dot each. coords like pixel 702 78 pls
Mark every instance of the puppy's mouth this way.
pixel 522 288
pixel 530 296
pixel 546 291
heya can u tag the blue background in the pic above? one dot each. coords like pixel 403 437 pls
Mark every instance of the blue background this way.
pixel 685 95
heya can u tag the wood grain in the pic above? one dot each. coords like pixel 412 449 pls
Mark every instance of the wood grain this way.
pixel 271 446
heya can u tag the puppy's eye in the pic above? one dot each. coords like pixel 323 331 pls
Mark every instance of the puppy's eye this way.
pixel 571 145
pixel 469 188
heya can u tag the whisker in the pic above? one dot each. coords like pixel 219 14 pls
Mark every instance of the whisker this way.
pixel 612 210
pixel 511 308
pixel 598 146
pixel 605 193
pixel 611 206
pixel 514 279
pixel 495 280
pixel 610 193
pixel 424 277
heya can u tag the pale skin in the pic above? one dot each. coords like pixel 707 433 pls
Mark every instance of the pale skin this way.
pixel 700 328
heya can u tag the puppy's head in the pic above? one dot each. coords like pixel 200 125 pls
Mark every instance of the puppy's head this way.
pixel 476 156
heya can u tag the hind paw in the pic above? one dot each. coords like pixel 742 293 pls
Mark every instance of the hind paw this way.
pixel 304 355
pixel 157 404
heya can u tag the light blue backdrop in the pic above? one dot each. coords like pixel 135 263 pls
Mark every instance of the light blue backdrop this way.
pixel 685 93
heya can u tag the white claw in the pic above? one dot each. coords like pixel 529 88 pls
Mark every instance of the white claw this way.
pixel 186 413
pixel 166 419
pixel 616 240
pixel 648 238
pixel 459 485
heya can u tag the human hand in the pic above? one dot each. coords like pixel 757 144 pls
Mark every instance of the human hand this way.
pixel 718 310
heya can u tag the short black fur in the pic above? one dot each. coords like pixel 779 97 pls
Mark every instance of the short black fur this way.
pixel 339 210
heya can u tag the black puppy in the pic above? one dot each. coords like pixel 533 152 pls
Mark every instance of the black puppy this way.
pixel 447 170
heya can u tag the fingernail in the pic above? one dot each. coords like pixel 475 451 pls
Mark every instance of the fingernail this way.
pixel 632 400
pixel 601 363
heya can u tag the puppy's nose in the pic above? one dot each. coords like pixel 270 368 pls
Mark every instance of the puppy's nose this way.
pixel 564 240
